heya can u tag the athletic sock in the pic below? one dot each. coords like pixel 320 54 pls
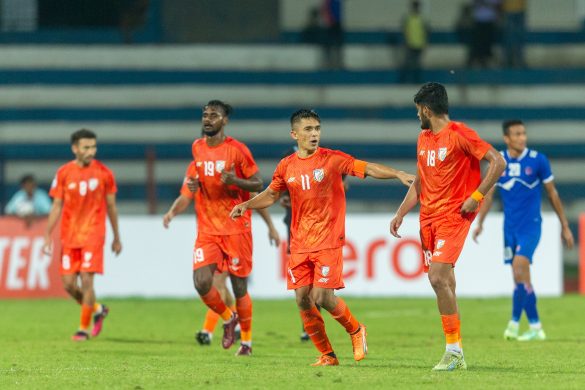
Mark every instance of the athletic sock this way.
pixel 85 318
pixel 244 307
pixel 531 310
pixel 315 328
pixel 97 308
pixel 518 301
pixel 452 330
pixel 210 321
pixel 342 315
pixel 213 300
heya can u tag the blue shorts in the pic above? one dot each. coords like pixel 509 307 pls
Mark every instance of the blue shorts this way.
pixel 520 243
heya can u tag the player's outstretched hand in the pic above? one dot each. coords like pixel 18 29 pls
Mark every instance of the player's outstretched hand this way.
pixel 116 246
pixel 193 183
pixel 167 219
pixel 476 232
pixel 273 237
pixel 238 211
pixel 469 206
pixel 395 225
pixel 406 178
pixel 228 177
pixel 567 237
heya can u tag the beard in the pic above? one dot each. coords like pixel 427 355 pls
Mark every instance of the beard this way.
pixel 425 123
pixel 210 133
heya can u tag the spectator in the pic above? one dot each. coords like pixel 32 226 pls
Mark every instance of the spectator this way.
pixel 415 41
pixel 514 33
pixel 29 202
pixel 464 28
pixel 313 32
pixel 486 14
pixel 331 10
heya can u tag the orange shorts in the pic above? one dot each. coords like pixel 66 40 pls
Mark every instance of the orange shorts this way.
pixel 232 253
pixel 322 269
pixel 442 239
pixel 86 259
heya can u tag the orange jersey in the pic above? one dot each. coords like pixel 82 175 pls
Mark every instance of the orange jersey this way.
pixel 448 168
pixel 83 191
pixel 214 200
pixel 317 197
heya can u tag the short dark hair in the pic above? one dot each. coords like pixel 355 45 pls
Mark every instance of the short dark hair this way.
pixel 304 113
pixel 82 133
pixel 509 123
pixel 226 108
pixel 27 179
pixel 434 96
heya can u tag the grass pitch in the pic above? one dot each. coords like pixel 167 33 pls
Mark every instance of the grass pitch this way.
pixel 149 344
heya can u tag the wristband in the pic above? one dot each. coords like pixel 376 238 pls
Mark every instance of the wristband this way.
pixel 477 196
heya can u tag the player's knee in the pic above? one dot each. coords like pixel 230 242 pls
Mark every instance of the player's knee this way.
pixel 202 284
pixel 70 286
pixel 304 301
pixel 240 287
pixel 438 282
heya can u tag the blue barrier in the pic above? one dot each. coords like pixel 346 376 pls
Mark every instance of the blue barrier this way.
pixel 342 77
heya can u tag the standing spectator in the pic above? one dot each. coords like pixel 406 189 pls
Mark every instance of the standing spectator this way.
pixel 313 31
pixel 415 41
pixel 464 28
pixel 331 10
pixel 30 201
pixel 514 33
pixel 486 14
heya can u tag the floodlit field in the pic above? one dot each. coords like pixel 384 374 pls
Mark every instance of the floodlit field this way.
pixel 149 344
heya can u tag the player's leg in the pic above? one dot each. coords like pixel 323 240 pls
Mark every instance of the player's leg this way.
pixel 519 293
pixel 244 310
pixel 204 336
pixel 87 304
pixel 314 325
pixel 521 267
pixel 71 285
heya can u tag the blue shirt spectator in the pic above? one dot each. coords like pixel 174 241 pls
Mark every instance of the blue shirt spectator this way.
pixel 29 200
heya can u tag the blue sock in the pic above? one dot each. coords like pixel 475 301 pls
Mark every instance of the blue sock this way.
pixel 518 301
pixel 530 307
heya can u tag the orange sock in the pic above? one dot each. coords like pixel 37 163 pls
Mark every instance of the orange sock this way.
pixel 451 328
pixel 315 328
pixel 210 321
pixel 97 307
pixel 85 320
pixel 342 315
pixel 244 307
pixel 213 300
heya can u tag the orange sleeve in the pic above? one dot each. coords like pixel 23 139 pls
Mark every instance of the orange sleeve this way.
pixel 56 191
pixel 190 172
pixel 247 163
pixel 472 144
pixel 278 183
pixel 111 187
pixel 359 168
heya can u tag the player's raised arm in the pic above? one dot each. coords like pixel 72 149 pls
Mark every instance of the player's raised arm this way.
pixel 483 210
pixel 555 201
pixel 179 205
pixel 379 171
pixel 113 217
pixel 497 164
pixel 410 200
pixel 264 199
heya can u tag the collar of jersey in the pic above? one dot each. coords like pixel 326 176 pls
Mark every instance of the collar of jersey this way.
pixel 520 157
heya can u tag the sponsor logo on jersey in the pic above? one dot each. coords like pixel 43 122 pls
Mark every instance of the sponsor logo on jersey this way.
pixel 198 163
pixel 323 280
pixel 318 174
pixel 421 153
pixel 291 179
pixel 71 186
pixel 442 154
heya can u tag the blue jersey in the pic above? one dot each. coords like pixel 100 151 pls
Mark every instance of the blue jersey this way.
pixel 521 188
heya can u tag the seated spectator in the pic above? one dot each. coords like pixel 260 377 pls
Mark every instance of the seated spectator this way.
pixel 29 202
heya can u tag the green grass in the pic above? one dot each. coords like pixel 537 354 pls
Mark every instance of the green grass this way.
pixel 149 344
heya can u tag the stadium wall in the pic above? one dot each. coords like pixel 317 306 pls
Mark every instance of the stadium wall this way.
pixel 157 263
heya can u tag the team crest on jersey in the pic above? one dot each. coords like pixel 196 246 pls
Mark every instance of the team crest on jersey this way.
pixel 219 165
pixel 318 174
pixel 442 154
pixel 528 171
pixel 93 183
pixel 235 261
pixel 440 244
pixel 325 270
